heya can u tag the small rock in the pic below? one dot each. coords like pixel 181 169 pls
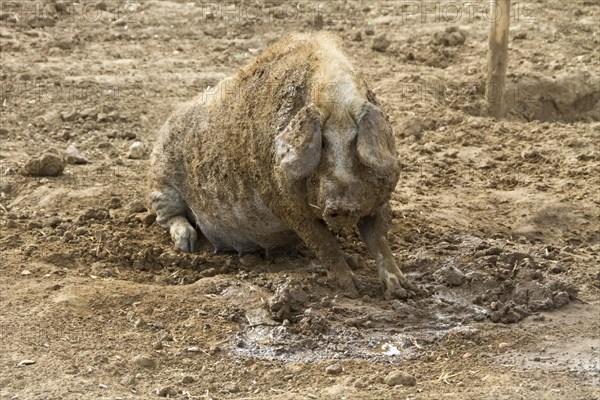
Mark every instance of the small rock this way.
pixel 136 150
pixel 102 386
pixel 25 272
pixel 47 164
pixel 503 345
pixel 369 32
pixel 158 346
pixel 144 361
pixel 400 378
pixel 166 391
pixel 334 369
pixel 380 43
pixel 73 156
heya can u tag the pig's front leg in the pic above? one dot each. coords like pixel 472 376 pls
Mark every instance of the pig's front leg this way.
pixel 373 230
pixel 321 241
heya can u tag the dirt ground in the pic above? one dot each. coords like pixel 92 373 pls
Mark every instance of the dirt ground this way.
pixel 498 220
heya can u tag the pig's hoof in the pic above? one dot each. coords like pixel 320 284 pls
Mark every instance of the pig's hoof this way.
pixel 349 284
pixel 400 288
pixel 184 236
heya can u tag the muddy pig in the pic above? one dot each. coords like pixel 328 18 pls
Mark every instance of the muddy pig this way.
pixel 292 148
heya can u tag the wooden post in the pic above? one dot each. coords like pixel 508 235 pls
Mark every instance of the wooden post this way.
pixel 497 57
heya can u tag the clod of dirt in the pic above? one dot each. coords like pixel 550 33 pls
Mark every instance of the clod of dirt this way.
pixel 231 387
pixel 148 219
pixel 452 36
pixel 166 391
pixel 6 188
pixel 47 164
pixel 288 299
pixel 450 275
pixel 144 361
pixel 69 115
pixel 136 207
pixel 357 37
pixel 400 378
pixel 136 150
pixel 249 260
pixel 89 113
pixel 380 43
pixel 94 213
pixel 334 369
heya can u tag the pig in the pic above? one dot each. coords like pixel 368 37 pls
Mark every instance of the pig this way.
pixel 294 147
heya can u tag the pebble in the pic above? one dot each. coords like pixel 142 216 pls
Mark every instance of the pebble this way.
pixel 503 345
pixel 136 150
pixel 400 378
pixel 334 369
pixel 25 272
pixel 144 361
pixel 380 43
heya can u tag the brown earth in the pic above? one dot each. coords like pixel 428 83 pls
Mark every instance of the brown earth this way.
pixel 498 220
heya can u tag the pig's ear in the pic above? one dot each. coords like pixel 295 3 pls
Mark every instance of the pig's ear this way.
pixel 375 145
pixel 298 146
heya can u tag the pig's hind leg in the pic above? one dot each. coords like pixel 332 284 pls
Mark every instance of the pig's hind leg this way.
pixel 373 230
pixel 172 213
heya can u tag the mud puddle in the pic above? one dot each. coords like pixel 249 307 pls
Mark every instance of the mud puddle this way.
pixel 296 320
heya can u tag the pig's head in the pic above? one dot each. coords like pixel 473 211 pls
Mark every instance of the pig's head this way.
pixel 348 162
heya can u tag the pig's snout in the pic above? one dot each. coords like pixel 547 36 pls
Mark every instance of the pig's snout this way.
pixel 339 217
